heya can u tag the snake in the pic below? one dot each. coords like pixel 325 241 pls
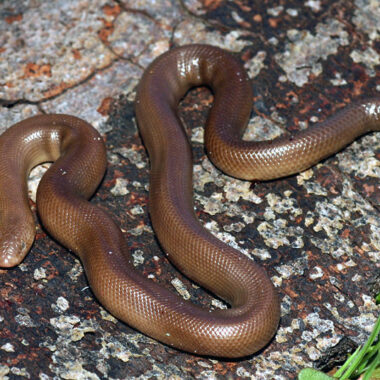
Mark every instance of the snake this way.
pixel 78 154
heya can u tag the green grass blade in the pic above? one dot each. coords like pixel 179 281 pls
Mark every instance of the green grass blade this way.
pixel 346 364
pixel 358 358
pixel 372 367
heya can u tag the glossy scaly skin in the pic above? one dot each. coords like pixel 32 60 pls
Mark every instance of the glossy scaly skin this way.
pixel 88 231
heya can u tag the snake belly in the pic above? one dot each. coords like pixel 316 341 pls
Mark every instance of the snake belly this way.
pixel 80 162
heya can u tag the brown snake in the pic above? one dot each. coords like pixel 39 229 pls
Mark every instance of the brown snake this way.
pixel 80 163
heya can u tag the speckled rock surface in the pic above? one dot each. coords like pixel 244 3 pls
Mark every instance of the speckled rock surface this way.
pixel 317 233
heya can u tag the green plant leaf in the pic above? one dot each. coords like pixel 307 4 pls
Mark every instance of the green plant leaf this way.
pixel 312 374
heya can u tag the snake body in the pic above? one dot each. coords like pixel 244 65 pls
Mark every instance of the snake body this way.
pixel 80 162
